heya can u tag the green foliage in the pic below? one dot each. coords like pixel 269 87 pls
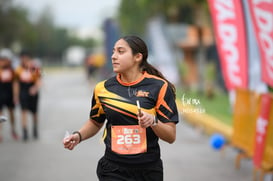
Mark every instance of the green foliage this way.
pixel 210 72
pixel 13 24
pixel 133 15
pixel 40 36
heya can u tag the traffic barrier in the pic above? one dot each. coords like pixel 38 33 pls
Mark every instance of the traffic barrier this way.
pixel 242 134
pixel 252 124
pixel 245 114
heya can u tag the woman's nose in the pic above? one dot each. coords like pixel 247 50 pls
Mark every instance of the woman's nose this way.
pixel 113 56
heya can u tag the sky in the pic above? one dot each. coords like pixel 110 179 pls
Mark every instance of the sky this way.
pixel 84 15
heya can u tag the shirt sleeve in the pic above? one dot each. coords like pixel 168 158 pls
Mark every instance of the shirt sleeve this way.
pixel 166 107
pixel 97 113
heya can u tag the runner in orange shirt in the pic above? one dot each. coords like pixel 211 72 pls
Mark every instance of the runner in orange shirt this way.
pixel 28 76
pixel 139 108
pixel 6 89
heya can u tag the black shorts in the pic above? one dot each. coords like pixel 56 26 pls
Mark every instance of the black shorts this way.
pixel 111 171
pixel 29 102
pixel 6 99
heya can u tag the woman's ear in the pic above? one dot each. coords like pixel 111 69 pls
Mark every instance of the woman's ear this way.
pixel 138 57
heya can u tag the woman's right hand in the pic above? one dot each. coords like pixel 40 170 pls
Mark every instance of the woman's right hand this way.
pixel 71 141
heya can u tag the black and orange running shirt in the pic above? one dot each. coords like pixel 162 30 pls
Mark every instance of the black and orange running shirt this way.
pixel 6 85
pixel 27 76
pixel 115 102
pixel 6 78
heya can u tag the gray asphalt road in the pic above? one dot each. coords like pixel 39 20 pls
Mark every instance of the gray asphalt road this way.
pixel 64 105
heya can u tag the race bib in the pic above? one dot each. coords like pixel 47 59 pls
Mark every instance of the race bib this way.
pixel 130 139
pixel 6 76
pixel 26 76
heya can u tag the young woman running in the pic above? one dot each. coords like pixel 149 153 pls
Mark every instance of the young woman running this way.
pixel 139 108
pixel 27 89
pixel 7 79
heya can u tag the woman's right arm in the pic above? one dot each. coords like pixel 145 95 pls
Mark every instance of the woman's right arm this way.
pixel 15 92
pixel 89 129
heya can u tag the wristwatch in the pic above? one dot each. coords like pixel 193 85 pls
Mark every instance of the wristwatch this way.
pixel 155 121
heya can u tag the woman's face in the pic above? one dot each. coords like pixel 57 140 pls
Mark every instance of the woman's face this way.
pixel 26 61
pixel 5 63
pixel 2 63
pixel 123 59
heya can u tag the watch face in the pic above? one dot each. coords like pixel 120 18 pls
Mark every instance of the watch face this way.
pixel 156 120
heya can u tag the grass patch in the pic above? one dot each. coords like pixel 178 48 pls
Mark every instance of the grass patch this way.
pixel 218 106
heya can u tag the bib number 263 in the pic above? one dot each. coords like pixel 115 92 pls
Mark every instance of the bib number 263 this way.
pixel 130 139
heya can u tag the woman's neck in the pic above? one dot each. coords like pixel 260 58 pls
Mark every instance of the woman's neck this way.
pixel 130 76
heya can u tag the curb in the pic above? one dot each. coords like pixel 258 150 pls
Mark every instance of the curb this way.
pixel 207 122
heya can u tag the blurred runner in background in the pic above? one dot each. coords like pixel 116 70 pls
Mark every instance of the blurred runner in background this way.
pixel 28 76
pixel 94 62
pixel 6 89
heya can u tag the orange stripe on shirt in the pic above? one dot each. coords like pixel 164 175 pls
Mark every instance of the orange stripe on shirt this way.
pixel 161 100
pixel 120 111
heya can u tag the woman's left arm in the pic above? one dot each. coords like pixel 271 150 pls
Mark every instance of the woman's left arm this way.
pixel 165 131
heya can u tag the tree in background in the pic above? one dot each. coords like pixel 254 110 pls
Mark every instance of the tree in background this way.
pixel 134 15
pixel 41 35
pixel 13 23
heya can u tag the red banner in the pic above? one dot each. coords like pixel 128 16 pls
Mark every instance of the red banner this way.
pixel 262 18
pixel 261 129
pixel 229 29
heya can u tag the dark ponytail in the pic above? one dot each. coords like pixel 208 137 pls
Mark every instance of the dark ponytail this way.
pixel 138 46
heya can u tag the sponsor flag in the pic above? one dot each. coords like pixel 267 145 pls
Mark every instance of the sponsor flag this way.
pixel 262 17
pixel 261 129
pixel 229 28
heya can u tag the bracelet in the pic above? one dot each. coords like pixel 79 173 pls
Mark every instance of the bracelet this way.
pixel 80 136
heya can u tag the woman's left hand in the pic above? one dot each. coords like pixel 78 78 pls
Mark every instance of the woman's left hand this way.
pixel 71 141
pixel 33 90
pixel 145 120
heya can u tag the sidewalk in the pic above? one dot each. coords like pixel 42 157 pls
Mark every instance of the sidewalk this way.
pixel 65 105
